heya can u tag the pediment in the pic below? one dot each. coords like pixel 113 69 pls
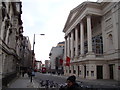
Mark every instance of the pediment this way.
pixel 77 11
pixel 73 14
pixel 71 17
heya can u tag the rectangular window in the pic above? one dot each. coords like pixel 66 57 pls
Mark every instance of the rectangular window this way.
pixel 69 71
pixel 92 73
pixel 74 71
pixel 80 72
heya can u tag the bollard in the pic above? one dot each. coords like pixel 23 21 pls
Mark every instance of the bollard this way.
pixel 31 78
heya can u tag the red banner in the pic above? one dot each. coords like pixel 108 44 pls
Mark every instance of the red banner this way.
pixel 67 61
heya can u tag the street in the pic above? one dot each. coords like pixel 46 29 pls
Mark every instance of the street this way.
pixel 53 81
pixel 61 80
pixel 52 78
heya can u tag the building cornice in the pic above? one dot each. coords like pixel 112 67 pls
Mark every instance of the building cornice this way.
pixel 8 50
pixel 82 10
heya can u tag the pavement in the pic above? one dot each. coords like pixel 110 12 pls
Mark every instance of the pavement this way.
pixel 100 82
pixel 24 82
pixel 97 82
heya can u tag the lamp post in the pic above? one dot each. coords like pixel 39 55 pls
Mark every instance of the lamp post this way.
pixel 34 40
pixel 33 52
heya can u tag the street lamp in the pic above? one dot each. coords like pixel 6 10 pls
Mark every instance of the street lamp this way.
pixel 34 40
pixel 33 50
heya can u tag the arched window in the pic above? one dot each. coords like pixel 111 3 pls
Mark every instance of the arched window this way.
pixel 110 41
pixel 97 43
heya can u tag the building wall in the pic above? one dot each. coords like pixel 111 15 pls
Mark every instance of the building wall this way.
pixel 27 57
pixel 55 53
pixel 39 65
pixel 47 65
pixel 110 30
pixel 11 47
pixel 89 61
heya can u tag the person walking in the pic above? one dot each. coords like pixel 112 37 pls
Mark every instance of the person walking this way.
pixel 71 84
pixel 23 72
pixel 29 72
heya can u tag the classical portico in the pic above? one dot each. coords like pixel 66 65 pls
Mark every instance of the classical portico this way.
pixel 73 39
pixel 90 31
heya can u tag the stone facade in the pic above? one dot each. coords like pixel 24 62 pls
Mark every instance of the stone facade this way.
pixel 39 65
pixel 11 26
pixel 47 65
pixel 26 54
pixel 11 40
pixel 56 54
pixel 92 41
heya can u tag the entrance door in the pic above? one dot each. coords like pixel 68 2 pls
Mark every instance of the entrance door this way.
pixel 99 72
pixel 78 71
pixel 84 71
pixel 111 71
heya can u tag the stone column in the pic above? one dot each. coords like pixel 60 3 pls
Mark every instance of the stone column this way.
pixel 72 44
pixel 65 48
pixel 106 72
pixel 0 16
pixel 3 28
pixel 68 46
pixel 89 33
pixel 76 41
pixel 89 36
pixel 82 38
pixel 7 35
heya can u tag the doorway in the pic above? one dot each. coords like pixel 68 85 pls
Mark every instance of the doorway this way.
pixel 78 71
pixel 84 71
pixel 111 71
pixel 99 72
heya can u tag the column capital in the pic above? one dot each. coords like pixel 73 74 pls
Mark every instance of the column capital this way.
pixel 88 15
pixel 71 32
pixel 76 27
pixel 65 37
pixel 81 22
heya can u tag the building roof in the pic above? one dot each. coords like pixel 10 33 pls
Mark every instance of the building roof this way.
pixel 61 42
pixel 77 11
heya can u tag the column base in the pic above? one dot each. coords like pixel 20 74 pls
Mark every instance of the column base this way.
pixel 81 56
pixel 76 57
pixel 90 55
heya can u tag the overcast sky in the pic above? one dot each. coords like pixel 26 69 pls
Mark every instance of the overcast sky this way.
pixel 46 17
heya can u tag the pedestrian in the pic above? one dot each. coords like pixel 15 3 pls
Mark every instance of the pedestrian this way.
pixel 71 84
pixel 29 72
pixel 23 72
